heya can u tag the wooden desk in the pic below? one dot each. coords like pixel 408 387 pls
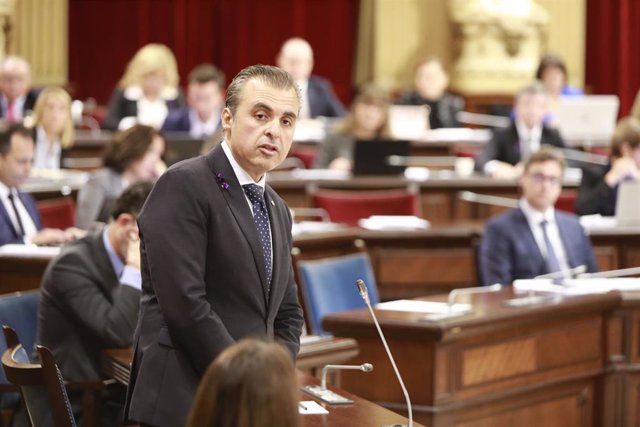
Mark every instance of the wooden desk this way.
pixel 536 366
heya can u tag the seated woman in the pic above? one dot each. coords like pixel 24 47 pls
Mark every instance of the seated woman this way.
pixel 552 73
pixel 147 91
pixel 251 384
pixel 599 187
pixel 368 119
pixel 53 127
pixel 134 155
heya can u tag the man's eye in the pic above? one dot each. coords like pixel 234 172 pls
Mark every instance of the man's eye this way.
pixel 287 122
pixel 261 116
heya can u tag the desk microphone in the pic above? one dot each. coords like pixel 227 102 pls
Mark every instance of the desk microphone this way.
pixel 365 367
pixel 362 289
pixel 561 274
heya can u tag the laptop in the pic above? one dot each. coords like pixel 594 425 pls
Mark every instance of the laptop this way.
pixel 587 117
pixel 181 147
pixel 628 203
pixel 409 122
pixel 374 157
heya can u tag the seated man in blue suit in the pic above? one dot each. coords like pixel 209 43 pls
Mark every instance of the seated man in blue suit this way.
pixel 318 98
pixel 19 218
pixel 534 238
pixel 205 97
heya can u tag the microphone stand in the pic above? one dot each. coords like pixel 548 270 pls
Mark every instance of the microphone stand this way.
pixel 362 289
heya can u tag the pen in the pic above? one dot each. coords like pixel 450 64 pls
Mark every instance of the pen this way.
pixel 302 406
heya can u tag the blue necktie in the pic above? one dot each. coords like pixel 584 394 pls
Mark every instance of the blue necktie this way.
pixel 553 264
pixel 255 194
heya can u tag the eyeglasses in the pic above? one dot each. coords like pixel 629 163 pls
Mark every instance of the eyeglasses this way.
pixel 539 178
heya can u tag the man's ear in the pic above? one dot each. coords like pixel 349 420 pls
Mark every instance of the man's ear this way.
pixel 227 119
pixel 125 219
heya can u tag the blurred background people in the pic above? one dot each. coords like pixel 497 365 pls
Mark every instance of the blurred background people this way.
pixel 147 91
pixel 318 98
pixel 431 82
pixel 501 157
pixel 250 384
pixel 53 127
pixel 535 238
pixel 598 189
pixel 90 301
pixel 552 74
pixel 205 98
pixel 134 155
pixel 19 218
pixel 17 98
pixel 368 119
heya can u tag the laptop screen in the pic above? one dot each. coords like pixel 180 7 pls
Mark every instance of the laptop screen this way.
pixel 628 203
pixel 181 147
pixel 372 157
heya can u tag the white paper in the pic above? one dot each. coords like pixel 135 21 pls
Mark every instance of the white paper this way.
pixel 29 251
pixel 418 306
pixel 579 286
pixel 309 407
pixel 394 222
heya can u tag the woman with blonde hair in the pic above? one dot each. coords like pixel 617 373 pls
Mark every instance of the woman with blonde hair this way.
pixel 53 127
pixel 368 119
pixel 251 384
pixel 147 91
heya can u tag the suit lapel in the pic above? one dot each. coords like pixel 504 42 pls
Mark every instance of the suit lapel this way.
pixel 103 263
pixel 235 198
pixel 5 217
pixel 277 234
pixel 31 208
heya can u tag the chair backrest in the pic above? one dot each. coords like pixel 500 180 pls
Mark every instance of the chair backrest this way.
pixel 328 285
pixel 350 206
pixel 41 385
pixel 57 213
pixel 19 311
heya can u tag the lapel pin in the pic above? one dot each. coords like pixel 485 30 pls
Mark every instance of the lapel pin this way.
pixel 273 203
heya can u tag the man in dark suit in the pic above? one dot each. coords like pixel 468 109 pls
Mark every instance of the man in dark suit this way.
pixel 318 98
pixel 90 301
pixel 205 97
pixel 503 155
pixel 17 98
pixel 218 268
pixel 535 239
pixel 19 217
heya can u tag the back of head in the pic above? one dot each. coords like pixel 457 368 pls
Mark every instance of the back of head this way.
pixel 251 384
pixel 132 199
pixel 128 146
pixel 627 132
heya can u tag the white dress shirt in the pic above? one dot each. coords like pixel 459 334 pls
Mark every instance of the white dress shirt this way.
pixel 45 158
pixel 201 129
pixel 305 107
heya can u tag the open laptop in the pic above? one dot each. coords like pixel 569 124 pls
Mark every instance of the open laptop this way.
pixel 181 146
pixel 587 117
pixel 628 203
pixel 409 122
pixel 372 157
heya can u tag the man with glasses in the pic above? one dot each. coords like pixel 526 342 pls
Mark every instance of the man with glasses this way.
pixel 90 299
pixel 535 239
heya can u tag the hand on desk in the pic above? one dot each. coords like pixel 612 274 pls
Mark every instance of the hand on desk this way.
pixel 502 170
pixel 623 168
pixel 54 236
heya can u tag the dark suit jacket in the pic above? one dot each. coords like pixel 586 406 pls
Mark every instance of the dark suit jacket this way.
pixel 204 284
pixel 508 250
pixel 29 103
pixel 179 121
pixel 594 194
pixel 505 145
pixel 8 234
pixel 322 100
pixel 120 107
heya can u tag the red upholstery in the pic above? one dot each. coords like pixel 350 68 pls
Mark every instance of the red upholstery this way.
pixel 567 201
pixel 307 155
pixel 350 206
pixel 467 152
pixel 57 213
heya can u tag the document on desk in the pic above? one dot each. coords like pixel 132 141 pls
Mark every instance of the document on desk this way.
pixel 309 407
pixel 579 286
pixel 29 251
pixel 427 307
pixel 394 222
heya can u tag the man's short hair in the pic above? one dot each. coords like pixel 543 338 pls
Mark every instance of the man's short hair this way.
pixel 546 153
pixel 627 131
pixel 533 89
pixel 205 73
pixel 7 132
pixel 272 76
pixel 132 199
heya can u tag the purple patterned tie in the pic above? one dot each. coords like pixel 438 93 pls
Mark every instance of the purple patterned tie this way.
pixel 255 194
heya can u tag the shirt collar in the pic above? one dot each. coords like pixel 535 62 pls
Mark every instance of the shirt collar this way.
pixel 241 174
pixel 534 216
pixel 534 133
pixel 4 190
pixel 116 261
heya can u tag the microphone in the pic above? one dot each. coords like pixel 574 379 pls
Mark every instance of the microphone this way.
pixel 610 273
pixel 362 289
pixel 484 199
pixel 470 291
pixel 329 396
pixel 365 367
pixel 562 274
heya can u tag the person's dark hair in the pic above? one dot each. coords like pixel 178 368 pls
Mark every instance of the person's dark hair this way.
pixel 370 94
pixel 205 73
pixel 128 146
pixel 270 75
pixel 7 132
pixel 544 154
pixel 627 131
pixel 427 59
pixel 550 60
pixel 250 384
pixel 132 199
